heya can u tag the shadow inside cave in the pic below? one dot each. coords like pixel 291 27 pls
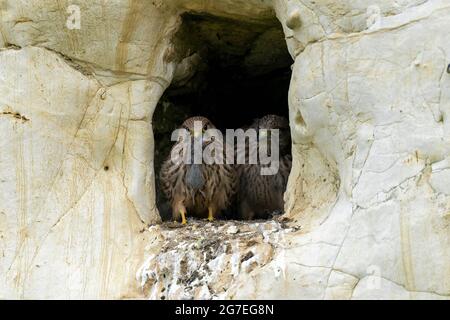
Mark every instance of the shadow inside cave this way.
pixel 234 72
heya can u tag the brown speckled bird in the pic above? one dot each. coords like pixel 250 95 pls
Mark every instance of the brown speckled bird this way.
pixel 260 195
pixel 201 190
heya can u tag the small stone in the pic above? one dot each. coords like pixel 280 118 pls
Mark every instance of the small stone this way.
pixel 232 230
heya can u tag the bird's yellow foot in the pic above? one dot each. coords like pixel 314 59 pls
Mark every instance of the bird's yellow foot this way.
pixel 183 217
pixel 210 215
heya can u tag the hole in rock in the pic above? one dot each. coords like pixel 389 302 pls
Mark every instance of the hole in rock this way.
pixel 231 72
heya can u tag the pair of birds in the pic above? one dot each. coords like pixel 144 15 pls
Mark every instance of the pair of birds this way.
pixel 207 190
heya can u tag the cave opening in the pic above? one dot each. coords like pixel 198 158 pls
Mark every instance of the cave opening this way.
pixel 230 71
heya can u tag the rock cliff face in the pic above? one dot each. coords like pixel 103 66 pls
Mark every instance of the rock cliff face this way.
pixel 368 199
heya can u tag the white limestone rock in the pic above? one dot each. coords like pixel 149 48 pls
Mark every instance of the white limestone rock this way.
pixel 368 199
pixel 76 178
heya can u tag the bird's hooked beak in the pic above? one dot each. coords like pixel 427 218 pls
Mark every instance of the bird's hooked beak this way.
pixel 198 135
pixel 263 133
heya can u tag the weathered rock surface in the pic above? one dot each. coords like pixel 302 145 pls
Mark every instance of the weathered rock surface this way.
pixel 71 178
pixel 205 260
pixel 368 200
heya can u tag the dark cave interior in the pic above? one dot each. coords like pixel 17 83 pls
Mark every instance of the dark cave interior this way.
pixel 241 72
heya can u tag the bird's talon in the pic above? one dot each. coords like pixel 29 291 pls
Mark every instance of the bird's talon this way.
pixel 183 217
pixel 210 215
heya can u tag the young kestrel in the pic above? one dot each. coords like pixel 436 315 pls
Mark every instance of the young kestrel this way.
pixel 201 190
pixel 260 195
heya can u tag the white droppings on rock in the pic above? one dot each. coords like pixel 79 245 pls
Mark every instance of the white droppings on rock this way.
pixel 205 255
